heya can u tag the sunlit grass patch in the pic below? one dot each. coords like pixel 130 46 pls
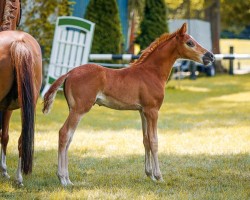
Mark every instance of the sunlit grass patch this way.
pixel 238 97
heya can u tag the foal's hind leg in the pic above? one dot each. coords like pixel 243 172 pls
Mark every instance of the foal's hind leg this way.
pixel 65 138
pixel 4 141
pixel 151 116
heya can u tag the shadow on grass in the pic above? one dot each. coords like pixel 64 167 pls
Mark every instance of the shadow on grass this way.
pixel 193 175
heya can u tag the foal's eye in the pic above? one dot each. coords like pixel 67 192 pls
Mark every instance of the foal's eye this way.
pixel 190 43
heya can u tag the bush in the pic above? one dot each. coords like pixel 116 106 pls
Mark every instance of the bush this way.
pixel 40 18
pixel 154 22
pixel 108 36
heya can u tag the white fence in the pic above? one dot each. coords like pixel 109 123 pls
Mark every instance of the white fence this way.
pixel 128 57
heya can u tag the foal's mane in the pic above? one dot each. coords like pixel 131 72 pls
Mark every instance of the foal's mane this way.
pixel 159 41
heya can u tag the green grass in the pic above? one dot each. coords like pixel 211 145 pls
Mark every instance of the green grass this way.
pixel 204 147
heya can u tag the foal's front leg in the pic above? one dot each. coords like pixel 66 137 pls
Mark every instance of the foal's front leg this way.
pixel 4 141
pixel 151 118
pixel 148 163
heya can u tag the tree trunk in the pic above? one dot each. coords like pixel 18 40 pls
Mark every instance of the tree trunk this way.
pixel 212 14
pixel 132 33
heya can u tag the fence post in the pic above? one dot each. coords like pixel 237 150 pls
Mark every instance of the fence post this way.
pixel 231 61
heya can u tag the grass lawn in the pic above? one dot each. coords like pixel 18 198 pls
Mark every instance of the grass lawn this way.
pixel 204 148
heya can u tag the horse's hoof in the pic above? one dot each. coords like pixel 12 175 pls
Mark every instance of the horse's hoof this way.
pixel 6 175
pixel 63 181
pixel 64 184
pixel 152 178
pixel 19 184
pixel 69 182
pixel 161 180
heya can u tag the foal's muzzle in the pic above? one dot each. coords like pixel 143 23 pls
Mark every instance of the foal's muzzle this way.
pixel 208 58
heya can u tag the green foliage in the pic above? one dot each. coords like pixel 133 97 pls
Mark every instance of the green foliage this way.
pixel 235 15
pixel 108 36
pixel 41 18
pixel 154 22
pixel 136 5
pixel 183 9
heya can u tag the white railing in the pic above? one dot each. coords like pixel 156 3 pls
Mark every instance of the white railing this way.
pixel 128 57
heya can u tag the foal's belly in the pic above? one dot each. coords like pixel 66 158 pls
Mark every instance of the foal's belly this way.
pixel 110 102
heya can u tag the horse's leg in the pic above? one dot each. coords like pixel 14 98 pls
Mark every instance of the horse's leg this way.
pixel 66 160
pixel 148 164
pixel 152 117
pixel 65 138
pixel 19 177
pixel 4 141
pixel 1 114
pixel 73 120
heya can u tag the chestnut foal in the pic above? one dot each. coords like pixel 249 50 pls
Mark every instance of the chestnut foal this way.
pixel 138 87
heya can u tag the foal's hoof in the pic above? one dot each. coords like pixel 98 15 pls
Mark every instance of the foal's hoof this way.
pixel 152 178
pixel 19 184
pixel 156 178
pixel 6 175
pixel 69 182
pixel 159 178
pixel 62 180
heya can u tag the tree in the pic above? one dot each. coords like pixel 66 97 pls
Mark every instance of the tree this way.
pixel 135 9
pixel 179 9
pixel 235 14
pixel 41 17
pixel 212 14
pixel 108 36
pixel 154 22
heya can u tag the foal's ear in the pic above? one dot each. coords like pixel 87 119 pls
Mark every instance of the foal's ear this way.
pixel 183 29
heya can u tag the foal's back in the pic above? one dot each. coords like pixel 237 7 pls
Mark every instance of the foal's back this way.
pixel 124 89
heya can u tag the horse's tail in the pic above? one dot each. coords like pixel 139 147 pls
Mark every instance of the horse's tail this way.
pixel 51 93
pixel 22 61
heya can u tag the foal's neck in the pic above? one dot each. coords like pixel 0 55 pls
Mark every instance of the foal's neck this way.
pixel 163 60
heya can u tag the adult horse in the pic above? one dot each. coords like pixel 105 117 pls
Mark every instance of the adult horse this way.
pixel 138 87
pixel 20 82
pixel 10 15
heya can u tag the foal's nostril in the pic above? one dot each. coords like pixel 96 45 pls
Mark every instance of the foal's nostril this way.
pixel 210 56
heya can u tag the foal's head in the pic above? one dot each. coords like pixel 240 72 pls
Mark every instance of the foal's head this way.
pixel 188 48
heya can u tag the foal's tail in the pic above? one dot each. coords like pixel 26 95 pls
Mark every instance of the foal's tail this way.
pixel 22 60
pixel 51 94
